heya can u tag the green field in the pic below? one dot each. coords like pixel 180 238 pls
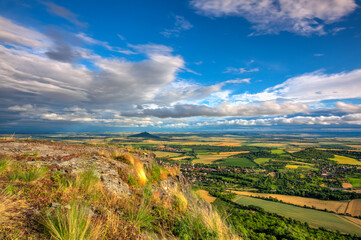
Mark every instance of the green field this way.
pixel 166 154
pixel 355 182
pixel 277 151
pixel 312 217
pixel 260 161
pixel 239 162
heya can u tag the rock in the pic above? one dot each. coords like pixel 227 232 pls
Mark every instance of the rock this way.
pixel 55 205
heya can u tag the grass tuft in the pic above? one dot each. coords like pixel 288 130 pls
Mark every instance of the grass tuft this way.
pixel 74 223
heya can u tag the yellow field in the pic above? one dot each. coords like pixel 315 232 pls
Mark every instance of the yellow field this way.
pixel 335 206
pixel 354 208
pixel 230 144
pixel 346 160
pixel 165 154
pixel 206 196
pixel 292 166
pixel 233 153
pixel 208 159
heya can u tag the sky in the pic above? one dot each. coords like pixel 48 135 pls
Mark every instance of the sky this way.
pixel 195 65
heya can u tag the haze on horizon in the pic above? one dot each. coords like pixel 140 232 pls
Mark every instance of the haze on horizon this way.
pixel 197 65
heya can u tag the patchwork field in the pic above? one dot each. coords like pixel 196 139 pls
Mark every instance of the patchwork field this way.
pixel 206 196
pixel 335 206
pixel 313 217
pixel 346 160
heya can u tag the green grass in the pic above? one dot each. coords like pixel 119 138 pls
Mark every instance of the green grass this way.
pixel 277 151
pixel 313 217
pixel 355 182
pixel 27 175
pixel 261 161
pixel 239 162
pixel 4 163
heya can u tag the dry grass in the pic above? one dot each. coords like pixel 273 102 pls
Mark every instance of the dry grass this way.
pixel 335 206
pixel 11 208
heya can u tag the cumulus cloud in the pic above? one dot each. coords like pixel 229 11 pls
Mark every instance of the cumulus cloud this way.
pixel 312 87
pixel 180 25
pixel 270 16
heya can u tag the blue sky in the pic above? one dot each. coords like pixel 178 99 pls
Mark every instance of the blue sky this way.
pixel 198 65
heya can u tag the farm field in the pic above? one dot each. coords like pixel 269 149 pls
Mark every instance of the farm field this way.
pixel 208 159
pixel 166 154
pixel 346 160
pixel 237 162
pixel 206 196
pixel 355 182
pixel 277 151
pixel 313 217
pixel 354 208
pixel 260 161
pixel 335 206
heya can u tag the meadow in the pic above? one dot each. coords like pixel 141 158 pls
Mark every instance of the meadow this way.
pixel 314 218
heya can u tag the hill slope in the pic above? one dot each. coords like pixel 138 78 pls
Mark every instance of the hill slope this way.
pixel 62 191
pixel 144 135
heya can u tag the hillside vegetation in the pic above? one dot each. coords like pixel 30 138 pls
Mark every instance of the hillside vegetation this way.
pixel 61 191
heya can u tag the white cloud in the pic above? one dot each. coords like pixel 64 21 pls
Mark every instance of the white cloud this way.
pixel 312 87
pixel 348 107
pixel 93 41
pixel 270 16
pixel 299 120
pixel 12 33
pixel 224 109
pixel 240 70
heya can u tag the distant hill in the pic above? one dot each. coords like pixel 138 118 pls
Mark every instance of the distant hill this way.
pixel 144 135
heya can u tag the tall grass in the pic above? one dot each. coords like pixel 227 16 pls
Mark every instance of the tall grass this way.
pixel 72 224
